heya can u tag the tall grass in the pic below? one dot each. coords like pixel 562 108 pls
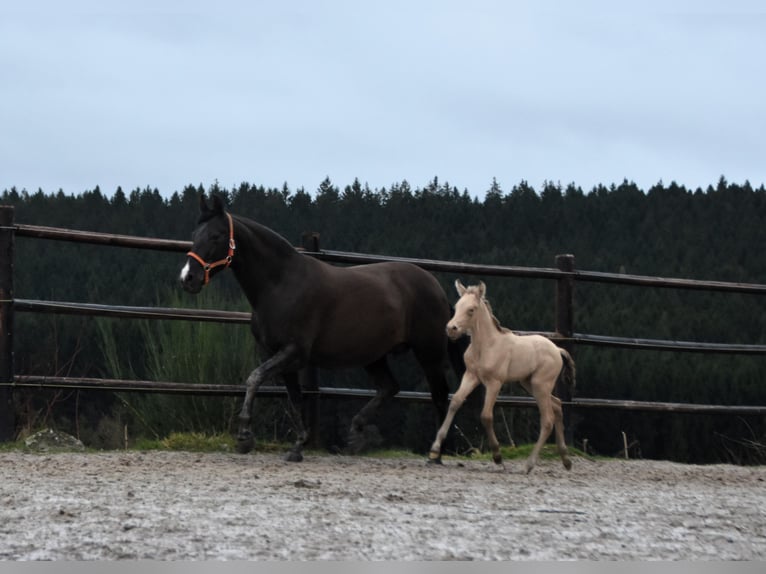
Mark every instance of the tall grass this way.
pixel 213 353
pixel 182 351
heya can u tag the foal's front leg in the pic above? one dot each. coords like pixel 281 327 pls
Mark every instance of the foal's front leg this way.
pixel 285 359
pixel 469 382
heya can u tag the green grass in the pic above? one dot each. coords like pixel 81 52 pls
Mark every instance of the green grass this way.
pixel 203 442
pixel 222 442
pixel 391 453
pixel 522 452
pixel 191 441
pixel 12 446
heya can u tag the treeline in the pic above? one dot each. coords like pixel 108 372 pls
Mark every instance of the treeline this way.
pixel 717 233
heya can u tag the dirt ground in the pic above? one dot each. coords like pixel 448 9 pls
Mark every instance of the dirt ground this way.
pixel 191 506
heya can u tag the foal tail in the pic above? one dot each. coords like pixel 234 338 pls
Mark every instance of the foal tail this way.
pixel 567 374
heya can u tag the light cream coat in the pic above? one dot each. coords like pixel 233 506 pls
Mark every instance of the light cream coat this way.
pixel 497 356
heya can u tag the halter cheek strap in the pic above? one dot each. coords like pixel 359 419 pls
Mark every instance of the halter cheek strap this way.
pixel 226 261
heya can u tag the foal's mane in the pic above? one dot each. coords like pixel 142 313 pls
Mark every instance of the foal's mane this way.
pixel 474 289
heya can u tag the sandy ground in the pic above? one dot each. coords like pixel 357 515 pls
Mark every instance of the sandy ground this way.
pixel 176 505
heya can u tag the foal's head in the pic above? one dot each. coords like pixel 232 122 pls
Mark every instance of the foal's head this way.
pixel 464 319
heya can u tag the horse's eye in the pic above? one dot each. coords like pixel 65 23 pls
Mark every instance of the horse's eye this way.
pixel 470 311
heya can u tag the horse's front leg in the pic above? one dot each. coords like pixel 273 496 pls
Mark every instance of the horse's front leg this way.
pixel 285 359
pixel 469 382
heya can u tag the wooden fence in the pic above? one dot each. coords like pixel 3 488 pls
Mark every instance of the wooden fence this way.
pixel 564 274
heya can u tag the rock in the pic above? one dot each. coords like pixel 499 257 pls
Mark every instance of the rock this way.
pixel 49 440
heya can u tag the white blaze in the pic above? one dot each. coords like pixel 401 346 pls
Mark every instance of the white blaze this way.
pixel 185 271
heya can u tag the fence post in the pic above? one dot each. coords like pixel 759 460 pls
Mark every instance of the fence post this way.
pixel 565 328
pixel 309 377
pixel 7 240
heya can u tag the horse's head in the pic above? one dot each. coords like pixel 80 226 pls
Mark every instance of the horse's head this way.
pixel 212 246
pixel 464 318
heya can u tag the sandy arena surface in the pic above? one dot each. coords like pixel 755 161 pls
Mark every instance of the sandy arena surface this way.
pixel 191 506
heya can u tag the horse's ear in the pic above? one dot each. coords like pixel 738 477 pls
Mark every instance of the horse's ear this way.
pixel 460 287
pixel 218 204
pixel 482 289
pixel 203 208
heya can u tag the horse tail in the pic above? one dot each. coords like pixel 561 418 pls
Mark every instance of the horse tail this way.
pixel 567 375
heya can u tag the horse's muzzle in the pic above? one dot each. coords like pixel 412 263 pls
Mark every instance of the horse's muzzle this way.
pixel 190 282
pixel 191 286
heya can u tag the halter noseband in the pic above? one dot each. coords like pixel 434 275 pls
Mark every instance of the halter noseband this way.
pixel 226 261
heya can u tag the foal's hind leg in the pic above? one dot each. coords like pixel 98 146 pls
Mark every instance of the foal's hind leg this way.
pixel 542 394
pixel 561 444
pixel 387 387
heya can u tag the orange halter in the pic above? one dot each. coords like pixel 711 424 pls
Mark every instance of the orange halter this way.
pixel 226 261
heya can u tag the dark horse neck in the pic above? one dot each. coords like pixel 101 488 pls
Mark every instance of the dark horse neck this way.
pixel 262 258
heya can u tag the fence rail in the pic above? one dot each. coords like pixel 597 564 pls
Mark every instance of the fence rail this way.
pixel 126 312
pixel 565 276
pixel 332 256
pixel 165 387
pixel 546 273
pixel 242 317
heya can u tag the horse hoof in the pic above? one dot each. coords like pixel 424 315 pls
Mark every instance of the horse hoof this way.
pixel 567 464
pixel 435 461
pixel 292 456
pixel 356 442
pixel 497 459
pixel 245 443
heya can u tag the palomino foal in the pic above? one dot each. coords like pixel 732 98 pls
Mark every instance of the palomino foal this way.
pixel 497 356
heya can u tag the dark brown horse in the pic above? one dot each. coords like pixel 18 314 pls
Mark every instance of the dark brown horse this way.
pixel 309 313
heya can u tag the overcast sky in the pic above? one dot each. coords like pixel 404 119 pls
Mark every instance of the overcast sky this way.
pixel 169 93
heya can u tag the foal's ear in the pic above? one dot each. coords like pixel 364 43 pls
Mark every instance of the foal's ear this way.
pixel 460 287
pixel 482 289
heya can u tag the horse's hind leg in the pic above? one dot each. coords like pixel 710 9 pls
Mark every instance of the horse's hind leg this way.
pixel 387 387
pixel 295 396
pixel 437 384
pixel 561 444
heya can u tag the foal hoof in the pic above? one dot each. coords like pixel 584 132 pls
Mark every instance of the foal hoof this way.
pixel 567 464
pixel 434 458
pixel 293 456
pixel 245 443
pixel 497 459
